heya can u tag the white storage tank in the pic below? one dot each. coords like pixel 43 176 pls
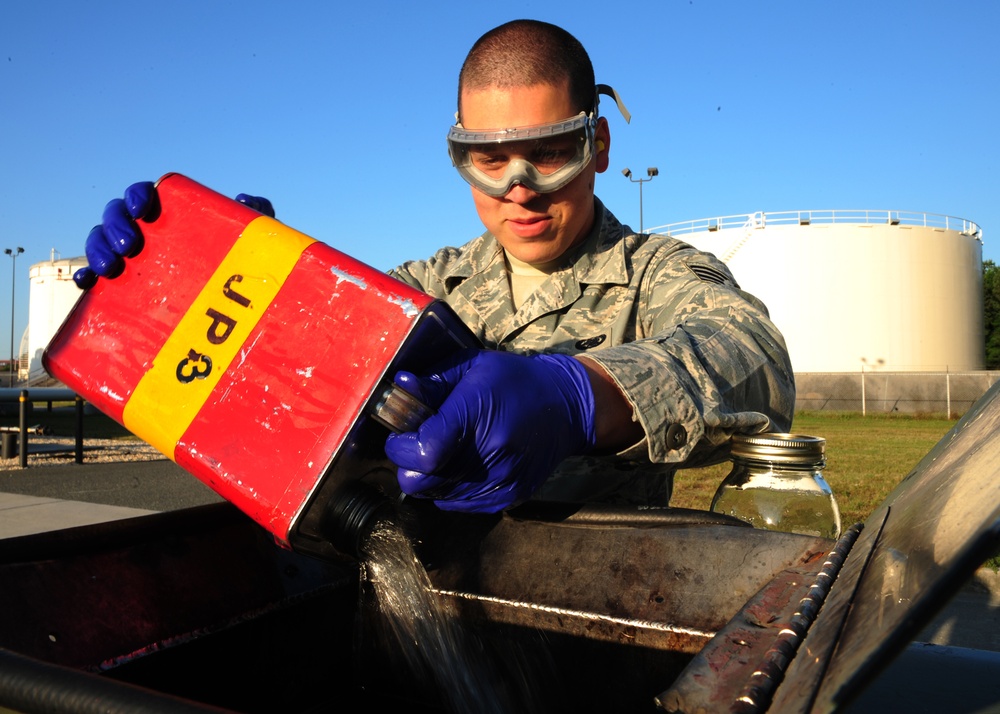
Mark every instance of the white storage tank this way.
pixel 856 289
pixel 52 295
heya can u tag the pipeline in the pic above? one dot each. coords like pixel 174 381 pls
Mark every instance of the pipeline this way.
pixel 600 514
pixel 29 685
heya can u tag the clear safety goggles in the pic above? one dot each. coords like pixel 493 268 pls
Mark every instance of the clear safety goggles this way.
pixel 543 157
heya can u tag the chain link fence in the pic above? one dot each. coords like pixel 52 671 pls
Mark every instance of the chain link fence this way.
pixel 878 392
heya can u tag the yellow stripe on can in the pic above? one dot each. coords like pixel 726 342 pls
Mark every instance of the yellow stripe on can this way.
pixel 209 336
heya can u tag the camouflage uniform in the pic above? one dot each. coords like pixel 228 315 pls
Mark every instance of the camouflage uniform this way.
pixel 698 358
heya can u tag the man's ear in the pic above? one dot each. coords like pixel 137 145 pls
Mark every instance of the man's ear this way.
pixel 602 144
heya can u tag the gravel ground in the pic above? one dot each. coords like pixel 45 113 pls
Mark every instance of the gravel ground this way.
pixel 51 450
pixel 114 472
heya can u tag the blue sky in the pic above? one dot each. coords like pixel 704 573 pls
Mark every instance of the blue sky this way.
pixel 337 112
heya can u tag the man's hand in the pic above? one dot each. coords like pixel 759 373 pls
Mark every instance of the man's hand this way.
pixel 503 423
pixel 118 237
pixel 257 203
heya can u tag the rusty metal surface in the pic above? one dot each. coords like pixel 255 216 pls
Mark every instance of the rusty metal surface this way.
pixel 675 585
pixel 740 668
pixel 715 678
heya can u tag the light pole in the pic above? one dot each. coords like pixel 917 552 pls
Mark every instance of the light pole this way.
pixel 13 253
pixel 651 172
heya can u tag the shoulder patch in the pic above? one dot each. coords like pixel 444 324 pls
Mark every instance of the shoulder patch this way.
pixel 708 274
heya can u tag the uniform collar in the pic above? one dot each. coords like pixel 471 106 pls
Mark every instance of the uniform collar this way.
pixel 599 259
pixel 482 278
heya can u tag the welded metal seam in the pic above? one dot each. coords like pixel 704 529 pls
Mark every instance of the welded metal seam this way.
pixel 756 694
pixel 548 609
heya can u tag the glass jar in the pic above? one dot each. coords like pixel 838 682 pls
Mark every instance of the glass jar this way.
pixel 777 484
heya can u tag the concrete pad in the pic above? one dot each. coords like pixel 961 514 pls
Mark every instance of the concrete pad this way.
pixel 25 515
pixel 972 618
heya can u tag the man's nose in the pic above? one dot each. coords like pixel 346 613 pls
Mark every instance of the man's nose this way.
pixel 520 194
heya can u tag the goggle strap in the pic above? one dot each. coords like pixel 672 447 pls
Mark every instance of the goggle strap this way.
pixel 605 89
pixel 609 91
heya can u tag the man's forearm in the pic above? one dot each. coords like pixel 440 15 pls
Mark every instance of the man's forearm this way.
pixel 614 424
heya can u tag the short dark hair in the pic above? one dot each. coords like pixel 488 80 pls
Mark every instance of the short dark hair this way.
pixel 522 53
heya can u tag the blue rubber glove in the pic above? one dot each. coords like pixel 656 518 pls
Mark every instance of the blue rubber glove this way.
pixel 503 423
pixel 118 237
pixel 257 203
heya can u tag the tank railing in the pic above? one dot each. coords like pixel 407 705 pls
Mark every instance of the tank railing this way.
pixel 821 217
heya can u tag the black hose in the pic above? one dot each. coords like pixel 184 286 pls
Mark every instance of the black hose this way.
pixel 34 687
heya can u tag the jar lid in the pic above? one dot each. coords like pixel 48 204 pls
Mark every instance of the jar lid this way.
pixel 779 447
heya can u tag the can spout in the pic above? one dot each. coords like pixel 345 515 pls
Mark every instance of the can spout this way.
pixel 355 509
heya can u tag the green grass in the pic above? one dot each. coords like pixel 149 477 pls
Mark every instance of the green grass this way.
pixel 866 457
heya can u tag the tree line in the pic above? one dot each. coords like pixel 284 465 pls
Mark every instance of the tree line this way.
pixel 991 313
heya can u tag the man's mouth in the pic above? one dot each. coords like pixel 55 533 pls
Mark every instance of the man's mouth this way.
pixel 529 226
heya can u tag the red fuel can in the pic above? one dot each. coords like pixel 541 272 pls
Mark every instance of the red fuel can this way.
pixel 253 356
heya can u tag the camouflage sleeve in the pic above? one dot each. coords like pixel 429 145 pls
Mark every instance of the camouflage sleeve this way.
pixel 708 362
pixel 413 274
pixel 427 275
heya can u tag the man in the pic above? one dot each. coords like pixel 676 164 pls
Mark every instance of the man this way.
pixel 613 357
